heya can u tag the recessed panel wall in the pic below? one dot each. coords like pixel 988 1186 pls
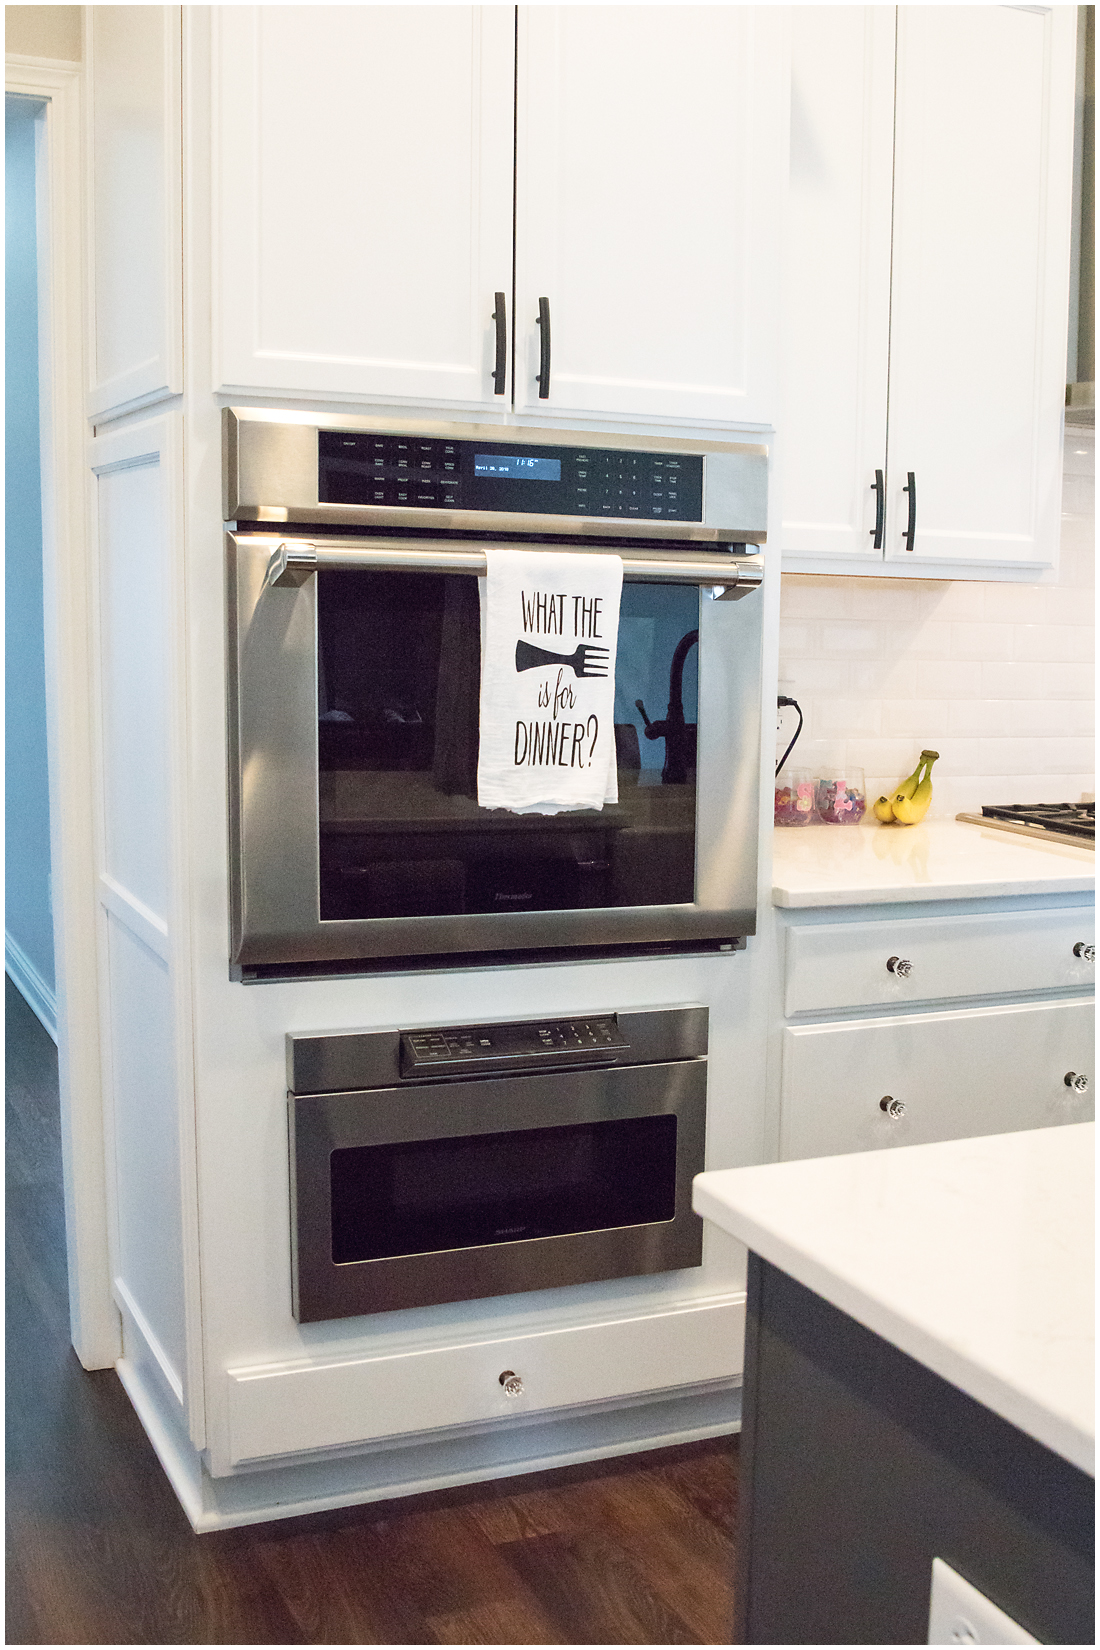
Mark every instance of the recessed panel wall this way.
pixel 148 1270
pixel 134 681
pixel 134 114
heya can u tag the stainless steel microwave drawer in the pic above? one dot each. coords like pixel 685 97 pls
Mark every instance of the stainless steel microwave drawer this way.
pixel 895 962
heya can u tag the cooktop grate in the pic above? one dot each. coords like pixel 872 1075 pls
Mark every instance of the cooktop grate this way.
pixel 1060 821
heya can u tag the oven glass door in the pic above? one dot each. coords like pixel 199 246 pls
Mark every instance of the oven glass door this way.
pixel 401 833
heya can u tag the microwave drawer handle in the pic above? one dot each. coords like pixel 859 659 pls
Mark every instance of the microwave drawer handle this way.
pixel 295 560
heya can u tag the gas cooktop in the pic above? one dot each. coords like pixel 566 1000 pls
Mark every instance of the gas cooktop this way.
pixel 1073 822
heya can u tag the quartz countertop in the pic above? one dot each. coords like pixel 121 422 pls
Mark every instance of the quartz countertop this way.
pixel 873 864
pixel 975 1257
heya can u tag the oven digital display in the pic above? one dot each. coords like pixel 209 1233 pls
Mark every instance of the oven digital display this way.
pixel 433 472
pixel 513 467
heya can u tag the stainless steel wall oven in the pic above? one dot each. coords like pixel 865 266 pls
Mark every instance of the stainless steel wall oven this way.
pixel 353 550
pixel 467 1161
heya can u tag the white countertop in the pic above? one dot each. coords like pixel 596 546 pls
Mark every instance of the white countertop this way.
pixel 975 1257
pixel 873 864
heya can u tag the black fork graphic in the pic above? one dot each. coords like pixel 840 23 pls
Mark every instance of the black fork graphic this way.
pixel 584 661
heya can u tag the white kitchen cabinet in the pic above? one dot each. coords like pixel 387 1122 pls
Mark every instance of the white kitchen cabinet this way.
pixel 927 273
pixel 909 960
pixel 649 169
pixel 856 1085
pixel 363 185
pixel 904 1026
pixel 364 161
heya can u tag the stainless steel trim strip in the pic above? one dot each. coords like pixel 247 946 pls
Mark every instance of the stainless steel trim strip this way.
pixel 293 560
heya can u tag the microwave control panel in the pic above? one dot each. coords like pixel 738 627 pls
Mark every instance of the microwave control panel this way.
pixel 426 473
pixel 462 1051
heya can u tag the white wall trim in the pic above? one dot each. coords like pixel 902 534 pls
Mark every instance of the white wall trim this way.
pixel 142 922
pixel 180 1463
pixel 94 1319
pixel 145 1329
pixel 39 997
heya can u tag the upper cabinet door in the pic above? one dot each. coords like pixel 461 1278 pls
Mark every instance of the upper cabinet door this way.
pixel 134 83
pixel 983 168
pixel 836 344
pixel 651 155
pixel 363 199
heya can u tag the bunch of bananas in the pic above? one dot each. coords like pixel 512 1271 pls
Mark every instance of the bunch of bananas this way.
pixel 910 801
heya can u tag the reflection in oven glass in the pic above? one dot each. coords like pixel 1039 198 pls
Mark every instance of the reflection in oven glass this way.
pixel 423 1196
pixel 399 658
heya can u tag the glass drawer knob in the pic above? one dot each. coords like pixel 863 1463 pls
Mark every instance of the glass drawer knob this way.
pixel 1077 1081
pixel 892 1107
pixel 1087 953
pixel 511 1383
pixel 900 965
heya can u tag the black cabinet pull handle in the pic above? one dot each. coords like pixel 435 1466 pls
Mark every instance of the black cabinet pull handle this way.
pixel 878 487
pixel 911 530
pixel 500 316
pixel 543 319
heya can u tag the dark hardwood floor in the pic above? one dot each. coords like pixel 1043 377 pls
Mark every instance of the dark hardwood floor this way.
pixel 633 1551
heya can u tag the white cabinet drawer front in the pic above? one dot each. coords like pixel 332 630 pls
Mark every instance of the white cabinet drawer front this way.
pixel 844 965
pixel 284 1409
pixel 968 1072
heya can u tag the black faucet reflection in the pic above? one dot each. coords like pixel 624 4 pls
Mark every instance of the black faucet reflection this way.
pixel 680 737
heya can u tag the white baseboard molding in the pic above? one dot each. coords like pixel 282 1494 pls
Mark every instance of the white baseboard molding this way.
pixel 414 1469
pixel 40 998
pixel 140 1324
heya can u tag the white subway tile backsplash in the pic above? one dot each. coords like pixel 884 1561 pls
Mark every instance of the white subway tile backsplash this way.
pixel 1003 680
pixel 981 641
pixel 890 759
pixel 947 678
pixel 1053 718
pixel 1066 606
pixel 1068 681
pixel 840 640
pixel 795 640
pixel 895 600
pixel 931 641
pixel 846 718
pixel 982 718
pixel 997 677
pixel 883 678
pixel 1056 643
pixel 1066 755
pixel 922 719
pixel 808 597
pixel 819 677
pixel 1016 603
pixel 952 599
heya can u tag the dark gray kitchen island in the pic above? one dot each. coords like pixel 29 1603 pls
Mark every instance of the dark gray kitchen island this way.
pixel 918 1385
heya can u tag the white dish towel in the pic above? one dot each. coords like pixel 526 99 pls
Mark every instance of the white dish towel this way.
pixel 549 624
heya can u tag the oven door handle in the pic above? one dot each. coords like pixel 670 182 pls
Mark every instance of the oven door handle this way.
pixel 294 560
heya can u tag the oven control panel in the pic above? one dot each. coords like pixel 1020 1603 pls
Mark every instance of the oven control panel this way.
pixel 458 1051
pixel 429 474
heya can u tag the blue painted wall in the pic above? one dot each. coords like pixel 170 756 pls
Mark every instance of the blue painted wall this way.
pixel 28 917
